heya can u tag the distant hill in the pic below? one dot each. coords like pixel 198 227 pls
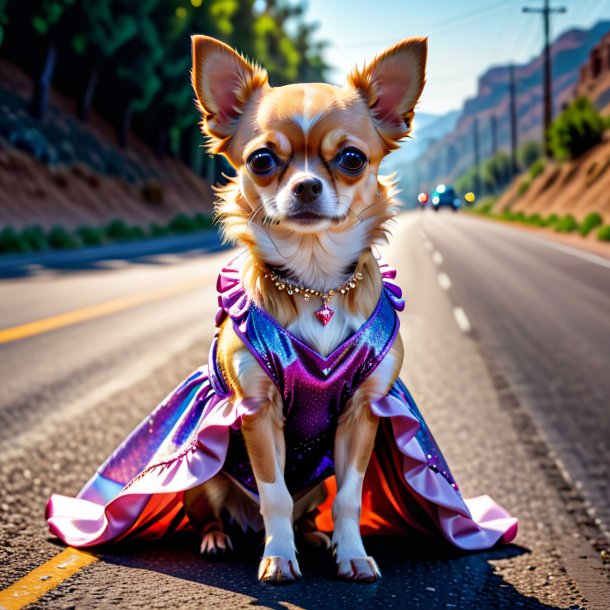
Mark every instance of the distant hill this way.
pixel 453 153
pixel 427 128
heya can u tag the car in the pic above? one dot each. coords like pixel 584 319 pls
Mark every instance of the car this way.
pixel 445 196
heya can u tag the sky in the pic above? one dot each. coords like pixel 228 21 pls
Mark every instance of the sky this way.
pixel 465 36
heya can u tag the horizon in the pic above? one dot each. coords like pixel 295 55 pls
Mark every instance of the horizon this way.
pixel 502 33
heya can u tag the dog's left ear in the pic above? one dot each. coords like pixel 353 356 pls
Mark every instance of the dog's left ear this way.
pixel 391 85
pixel 224 83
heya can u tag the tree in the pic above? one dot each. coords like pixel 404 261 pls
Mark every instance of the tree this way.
pixel 529 153
pixel 46 21
pixel 577 129
pixel 101 27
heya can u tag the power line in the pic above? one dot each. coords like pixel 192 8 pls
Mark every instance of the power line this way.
pixel 546 13
pixel 441 26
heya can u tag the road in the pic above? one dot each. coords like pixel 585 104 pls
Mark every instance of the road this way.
pixel 507 354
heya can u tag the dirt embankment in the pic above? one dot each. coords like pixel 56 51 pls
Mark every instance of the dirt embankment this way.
pixel 576 187
pixel 62 171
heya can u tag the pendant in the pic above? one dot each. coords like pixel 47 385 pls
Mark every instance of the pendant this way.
pixel 324 314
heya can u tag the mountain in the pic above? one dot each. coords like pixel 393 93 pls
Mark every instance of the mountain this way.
pixel 452 153
pixel 427 128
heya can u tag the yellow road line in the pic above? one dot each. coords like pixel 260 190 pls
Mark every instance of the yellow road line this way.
pixel 95 311
pixel 44 578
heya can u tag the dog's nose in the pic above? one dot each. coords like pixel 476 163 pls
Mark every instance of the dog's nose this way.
pixel 307 189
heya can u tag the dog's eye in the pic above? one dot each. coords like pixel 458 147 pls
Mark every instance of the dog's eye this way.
pixel 262 162
pixel 351 160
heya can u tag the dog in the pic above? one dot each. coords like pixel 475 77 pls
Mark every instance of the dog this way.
pixel 308 205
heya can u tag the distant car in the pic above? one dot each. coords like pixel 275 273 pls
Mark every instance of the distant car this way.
pixel 445 196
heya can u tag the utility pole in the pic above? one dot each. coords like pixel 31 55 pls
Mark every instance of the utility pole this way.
pixel 493 127
pixel 546 12
pixel 477 158
pixel 513 121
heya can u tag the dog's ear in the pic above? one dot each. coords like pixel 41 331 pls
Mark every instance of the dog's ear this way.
pixel 391 85
pixel 224 82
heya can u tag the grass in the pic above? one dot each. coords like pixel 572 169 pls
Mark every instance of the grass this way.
pixel 561 224
pixel 34 238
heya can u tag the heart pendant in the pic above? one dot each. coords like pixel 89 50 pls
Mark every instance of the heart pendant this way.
pixel 324 314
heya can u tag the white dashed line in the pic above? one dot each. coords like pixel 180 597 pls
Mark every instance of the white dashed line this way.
pixel 462 319
pixel 444 281
pixel 437 257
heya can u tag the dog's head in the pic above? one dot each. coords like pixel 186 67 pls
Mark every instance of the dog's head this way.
pixel 306 155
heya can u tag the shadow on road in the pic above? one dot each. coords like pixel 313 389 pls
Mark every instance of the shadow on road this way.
pixel 416 574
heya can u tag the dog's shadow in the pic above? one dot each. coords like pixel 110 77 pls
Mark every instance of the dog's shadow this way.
pixel 416 574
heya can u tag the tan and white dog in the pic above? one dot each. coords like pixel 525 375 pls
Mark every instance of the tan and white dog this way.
pixel 307 200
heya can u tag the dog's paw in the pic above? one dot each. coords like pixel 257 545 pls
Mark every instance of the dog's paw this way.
pixel 215 545
pixel 361 569
pixel 278 570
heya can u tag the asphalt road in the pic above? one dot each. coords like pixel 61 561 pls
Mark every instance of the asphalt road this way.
pixel 507 344
pixel 543 313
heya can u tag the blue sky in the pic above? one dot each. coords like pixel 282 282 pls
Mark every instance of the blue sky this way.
pixel 465 36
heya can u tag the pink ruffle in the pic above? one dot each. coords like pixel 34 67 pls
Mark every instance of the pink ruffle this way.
pixel 473 524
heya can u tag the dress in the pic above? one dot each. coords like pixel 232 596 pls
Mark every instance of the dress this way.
pixel 195 433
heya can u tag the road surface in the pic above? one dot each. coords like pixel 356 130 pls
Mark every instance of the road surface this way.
pixel 506 352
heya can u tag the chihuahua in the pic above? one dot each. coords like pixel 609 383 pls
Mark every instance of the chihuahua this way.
pixel 307 204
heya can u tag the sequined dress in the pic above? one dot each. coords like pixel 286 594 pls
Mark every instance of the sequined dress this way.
pixel 195 433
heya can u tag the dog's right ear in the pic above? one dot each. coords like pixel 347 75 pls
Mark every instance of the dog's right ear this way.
pixel 224 82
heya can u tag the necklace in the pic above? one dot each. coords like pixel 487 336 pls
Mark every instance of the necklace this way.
pixel 325 313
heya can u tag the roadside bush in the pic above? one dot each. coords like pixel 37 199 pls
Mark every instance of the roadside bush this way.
pixel 603 233
pixel 156 230
pixel 61 239
pixel 136 233
pixel 117 230
pixel 203 222
pixel 549 221
pixel 537 168
pixel 182 224
pixel 577 129
pixel 11 241
pixel 35 237
pixel 536 220
pixel 567 224
pixel 592 220
pixel 90 236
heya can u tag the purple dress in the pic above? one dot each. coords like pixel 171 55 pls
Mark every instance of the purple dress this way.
pixel 195 433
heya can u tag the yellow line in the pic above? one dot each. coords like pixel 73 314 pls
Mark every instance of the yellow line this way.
pixel 44 578
pixel 95 311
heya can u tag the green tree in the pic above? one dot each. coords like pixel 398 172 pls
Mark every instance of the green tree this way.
pixel 100 28
pixel 46 20
pixel 529 153
pixel 577 129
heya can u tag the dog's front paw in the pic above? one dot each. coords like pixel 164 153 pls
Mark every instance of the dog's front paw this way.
pixel 215 544
pixel 278 570
pixel 361 569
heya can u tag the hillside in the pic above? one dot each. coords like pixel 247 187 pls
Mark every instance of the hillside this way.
pixel 452 154
pixel 62 171
pixel 576 187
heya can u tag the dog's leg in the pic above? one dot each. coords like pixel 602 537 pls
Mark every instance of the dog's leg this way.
pixel 354 442
pixel 264 436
